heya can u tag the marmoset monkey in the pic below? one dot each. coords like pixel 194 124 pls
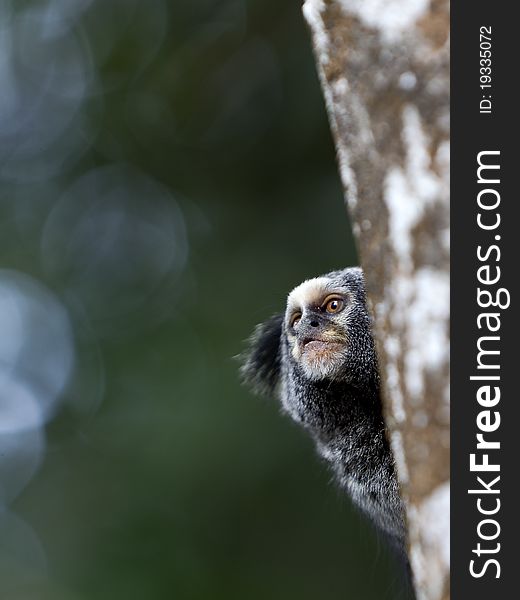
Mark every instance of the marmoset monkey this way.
pixel 319 359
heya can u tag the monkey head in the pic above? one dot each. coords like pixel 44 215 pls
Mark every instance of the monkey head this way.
pixel 327 328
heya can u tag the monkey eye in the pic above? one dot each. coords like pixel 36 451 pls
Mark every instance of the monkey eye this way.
pixel 334 305
pixel 296 318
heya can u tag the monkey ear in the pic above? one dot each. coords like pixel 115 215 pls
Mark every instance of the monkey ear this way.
pixel 261 361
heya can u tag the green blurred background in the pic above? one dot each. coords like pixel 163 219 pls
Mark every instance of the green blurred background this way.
pixel 167 176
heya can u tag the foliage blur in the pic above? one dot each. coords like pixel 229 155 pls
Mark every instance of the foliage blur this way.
pixel 167 175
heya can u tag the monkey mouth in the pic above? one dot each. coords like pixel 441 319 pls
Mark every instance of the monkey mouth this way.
pixel 319 346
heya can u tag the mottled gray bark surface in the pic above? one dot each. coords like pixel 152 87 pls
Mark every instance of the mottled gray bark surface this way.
pixel 384 69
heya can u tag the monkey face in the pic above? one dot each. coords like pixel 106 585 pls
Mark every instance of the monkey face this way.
pixel 316 322
pixel 324 335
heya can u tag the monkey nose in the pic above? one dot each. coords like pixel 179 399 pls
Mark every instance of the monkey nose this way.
pixel 314 323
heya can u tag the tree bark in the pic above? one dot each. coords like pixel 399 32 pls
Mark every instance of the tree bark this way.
pixel 384 70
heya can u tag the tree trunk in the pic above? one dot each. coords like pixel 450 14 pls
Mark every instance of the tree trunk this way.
pixel 384 70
